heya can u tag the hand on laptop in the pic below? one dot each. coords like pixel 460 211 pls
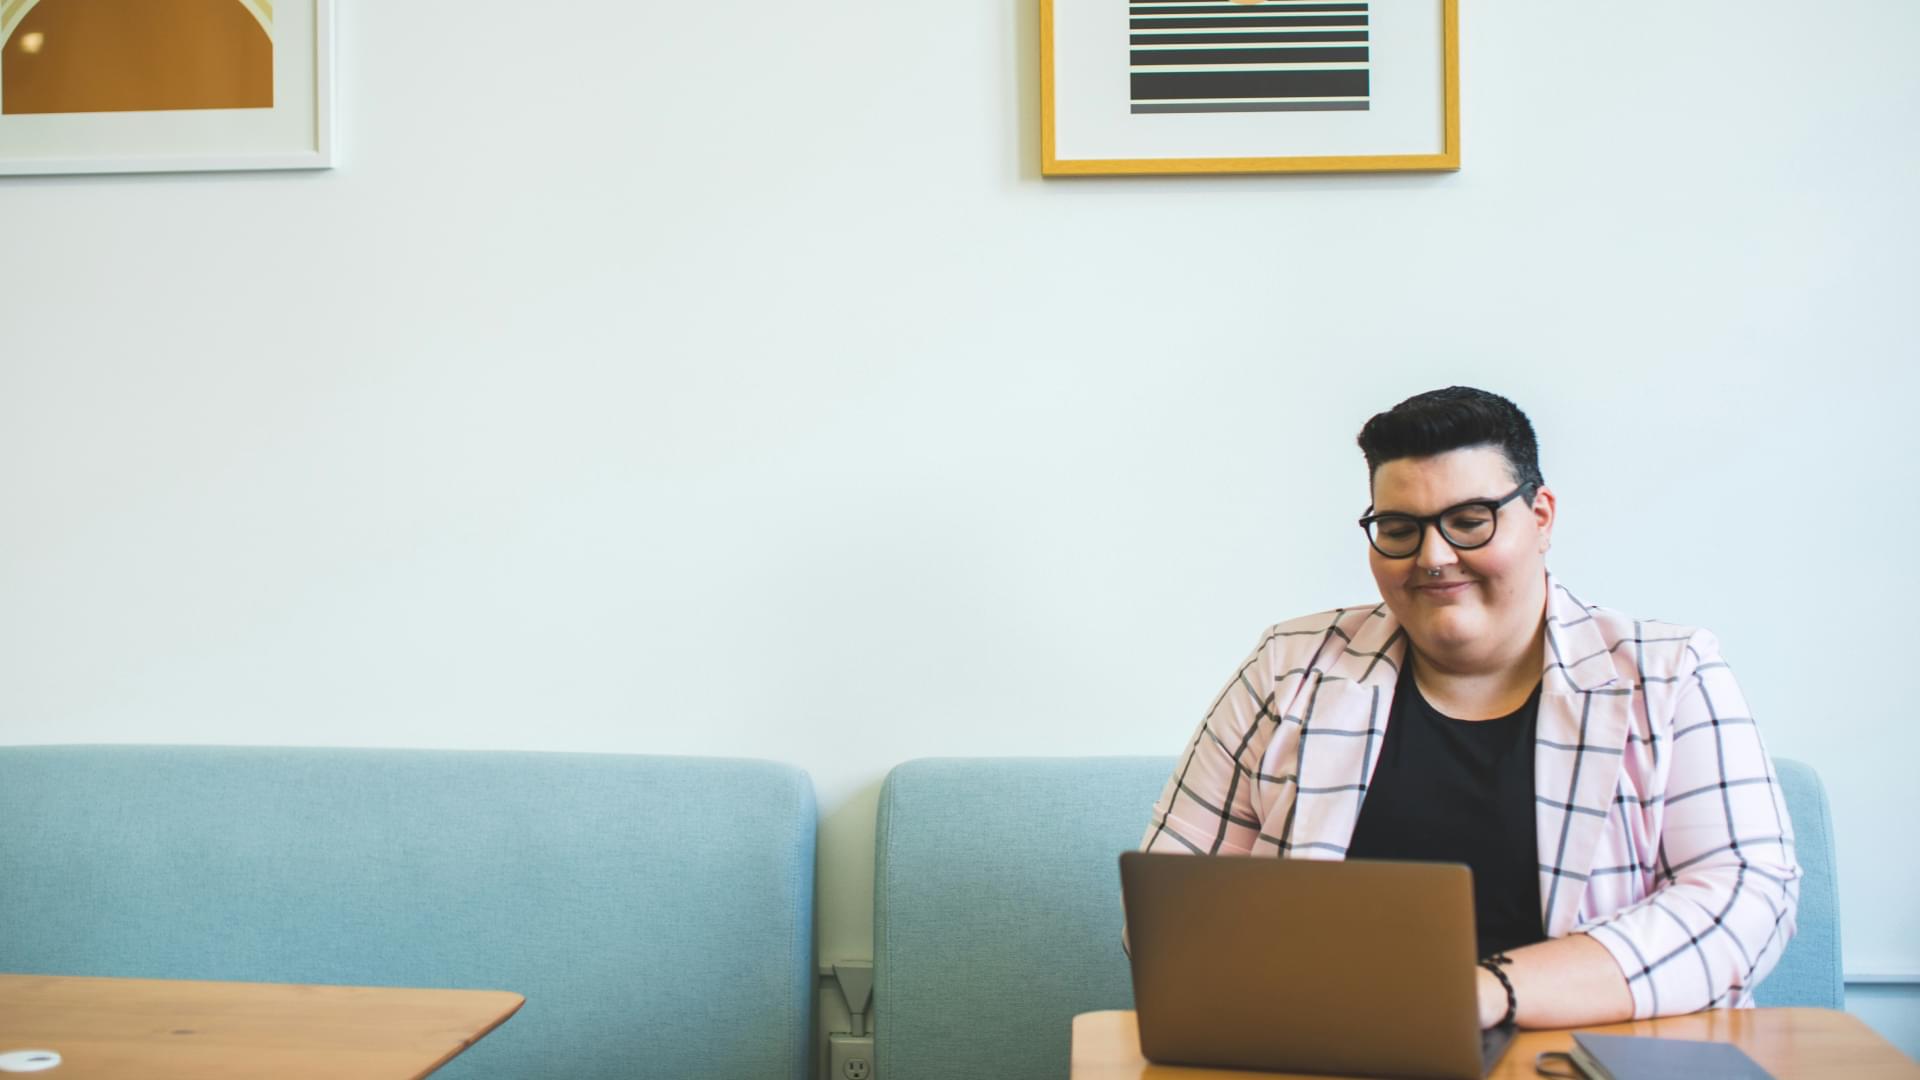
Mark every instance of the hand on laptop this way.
pixel 1564 982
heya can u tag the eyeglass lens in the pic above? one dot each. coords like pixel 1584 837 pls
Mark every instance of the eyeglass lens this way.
pixel 1462 527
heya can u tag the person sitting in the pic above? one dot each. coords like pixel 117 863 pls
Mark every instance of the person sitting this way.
pixel 1601 775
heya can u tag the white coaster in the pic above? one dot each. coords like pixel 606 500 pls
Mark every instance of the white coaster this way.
pixel 23 1061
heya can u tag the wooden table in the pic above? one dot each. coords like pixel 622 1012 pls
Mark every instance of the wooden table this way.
pixel 159 1029
pixel 1789 1043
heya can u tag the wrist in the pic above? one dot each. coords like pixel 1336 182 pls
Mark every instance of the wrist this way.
pixel 1498 1003
pixel 1493 997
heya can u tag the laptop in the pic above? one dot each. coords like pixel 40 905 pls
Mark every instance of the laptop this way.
pixel 1362 968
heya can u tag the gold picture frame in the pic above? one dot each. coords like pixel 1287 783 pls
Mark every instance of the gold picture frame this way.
pixel 1324 127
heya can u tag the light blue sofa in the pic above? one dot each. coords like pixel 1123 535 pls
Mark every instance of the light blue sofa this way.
pixel 655 912
pixel 997 909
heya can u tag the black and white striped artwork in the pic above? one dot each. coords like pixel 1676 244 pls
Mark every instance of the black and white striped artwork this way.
pixel 1196 56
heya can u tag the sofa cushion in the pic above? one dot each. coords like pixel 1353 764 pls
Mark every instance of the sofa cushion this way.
pixel 1808 973
pixel 997 908
pixel 656 912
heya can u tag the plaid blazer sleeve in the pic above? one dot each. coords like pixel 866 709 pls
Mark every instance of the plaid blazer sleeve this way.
pixel 1208 804
pixel 1727 883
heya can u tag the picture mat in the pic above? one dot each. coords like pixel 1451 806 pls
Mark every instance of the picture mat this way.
pixel 1092 91
pixel 290 128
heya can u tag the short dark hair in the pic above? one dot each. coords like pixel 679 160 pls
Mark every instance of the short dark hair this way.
pixel 1456 418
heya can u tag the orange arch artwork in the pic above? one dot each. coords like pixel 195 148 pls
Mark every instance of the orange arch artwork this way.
pixel 81 56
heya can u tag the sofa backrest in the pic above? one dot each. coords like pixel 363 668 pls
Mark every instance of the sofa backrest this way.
pixel 1809 973
pixel 655 912
pixel 997 909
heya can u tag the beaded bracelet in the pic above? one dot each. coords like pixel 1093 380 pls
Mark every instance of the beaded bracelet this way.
pixel 1493 964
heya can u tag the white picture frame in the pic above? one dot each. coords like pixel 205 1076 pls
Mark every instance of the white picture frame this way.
pixel 296 132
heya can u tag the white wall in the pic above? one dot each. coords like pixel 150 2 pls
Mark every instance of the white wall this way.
pixel 702 379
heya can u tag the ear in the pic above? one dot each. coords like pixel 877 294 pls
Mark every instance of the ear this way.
pixel 1545 509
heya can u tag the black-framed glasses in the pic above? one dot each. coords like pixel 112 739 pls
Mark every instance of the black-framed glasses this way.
pixel 1464 526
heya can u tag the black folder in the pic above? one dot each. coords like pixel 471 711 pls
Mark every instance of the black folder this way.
pixel 1634 1057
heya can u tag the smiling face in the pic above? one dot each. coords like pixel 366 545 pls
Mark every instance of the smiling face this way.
pixel 1466 609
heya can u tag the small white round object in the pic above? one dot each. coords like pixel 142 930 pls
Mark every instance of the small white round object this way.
pixel 25 1061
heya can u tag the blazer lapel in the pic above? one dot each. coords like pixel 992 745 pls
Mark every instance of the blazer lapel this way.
pixel 1585 714
pixel 1342 721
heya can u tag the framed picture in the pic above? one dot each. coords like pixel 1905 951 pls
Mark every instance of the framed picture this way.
pixel 96 86
pixel 1246 86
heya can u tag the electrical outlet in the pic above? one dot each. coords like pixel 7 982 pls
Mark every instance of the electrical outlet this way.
pixel 850 1057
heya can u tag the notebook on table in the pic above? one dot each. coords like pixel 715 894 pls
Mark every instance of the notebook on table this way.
pixel 1637 1057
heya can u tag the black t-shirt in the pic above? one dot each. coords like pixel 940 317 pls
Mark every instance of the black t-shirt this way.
pixel 1449 790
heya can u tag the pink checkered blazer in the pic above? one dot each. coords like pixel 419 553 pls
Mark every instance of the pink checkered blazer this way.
pixel 1662 831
